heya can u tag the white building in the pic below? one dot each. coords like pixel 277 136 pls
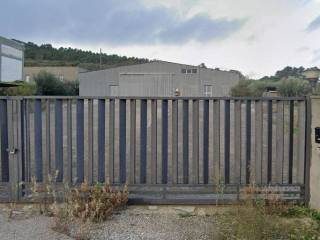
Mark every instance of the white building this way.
pixel 11 60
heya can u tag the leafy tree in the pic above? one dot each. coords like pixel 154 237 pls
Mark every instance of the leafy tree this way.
pixel 47 84
pixel 242 89
pixel 71 88
pixel 293 87
pixel 290 72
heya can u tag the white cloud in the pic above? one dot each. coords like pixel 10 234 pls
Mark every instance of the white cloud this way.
pixel 274 35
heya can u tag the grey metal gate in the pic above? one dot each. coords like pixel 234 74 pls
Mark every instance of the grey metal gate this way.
pixel 168 150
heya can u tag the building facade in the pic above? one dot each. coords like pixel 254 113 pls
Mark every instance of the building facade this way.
pixel 11 60
pixel 158 79
pixel 63 73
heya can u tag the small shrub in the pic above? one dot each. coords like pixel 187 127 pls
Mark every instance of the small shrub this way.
pixel 301 211
pixel 96 203
pixel 185 214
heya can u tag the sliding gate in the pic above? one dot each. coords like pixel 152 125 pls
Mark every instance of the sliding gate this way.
pixel 168 150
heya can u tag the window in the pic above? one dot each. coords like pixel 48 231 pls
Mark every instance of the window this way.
pixel 27 78
pixel 208 90
pixel 189 71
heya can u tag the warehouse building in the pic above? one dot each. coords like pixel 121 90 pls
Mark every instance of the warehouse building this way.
pixel 158 79
pixel 11 61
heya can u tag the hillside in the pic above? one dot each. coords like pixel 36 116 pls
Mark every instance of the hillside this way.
pixel 47 55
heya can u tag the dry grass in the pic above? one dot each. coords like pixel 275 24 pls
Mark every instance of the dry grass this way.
pixel 262 215
pixel 75 207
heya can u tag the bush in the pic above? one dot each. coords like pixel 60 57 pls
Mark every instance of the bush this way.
pixel 48 85
pixel 287 87
pixel 249 88
pixel 294 87
pixel 242 89
pixel 24 89
pixel 96 203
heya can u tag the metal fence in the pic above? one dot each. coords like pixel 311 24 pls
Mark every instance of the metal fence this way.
pixel 168 150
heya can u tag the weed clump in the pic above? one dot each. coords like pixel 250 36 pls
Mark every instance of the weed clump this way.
pixel 96 203
pixel 263 215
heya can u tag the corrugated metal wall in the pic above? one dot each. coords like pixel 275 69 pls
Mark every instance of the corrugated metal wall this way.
pixel 146 84
pixel 157 79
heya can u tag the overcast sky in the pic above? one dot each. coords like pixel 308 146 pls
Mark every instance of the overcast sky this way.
pixel 256 37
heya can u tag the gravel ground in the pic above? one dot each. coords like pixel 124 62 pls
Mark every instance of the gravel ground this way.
pixel 134 223
pixel 22 227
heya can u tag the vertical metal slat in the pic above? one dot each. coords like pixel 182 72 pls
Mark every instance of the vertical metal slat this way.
pixel 259 144
pixel 4 141
pixel 237 141
pixel 154 142
pixel 164 144
pixel 59 140
pixel 206 141
pixel 227 142
pixel 195 142
pixel 80 140
pixel 185 141
pixel 280 142
pixel 175 141
pixel 132 141
pixel 143 142
pixel 111 139
pixel 69 141
pixel 248 141
pixel 90 141
pixel 216 140
pixel 101 139
pixel 291 118
pixel 48 137
pixel 38 140
pixel 269 169
pixel 122 140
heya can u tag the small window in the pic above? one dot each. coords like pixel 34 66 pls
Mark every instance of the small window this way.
pixel 208 90
pixel 189 71
pixel 194 70
pixel 183 70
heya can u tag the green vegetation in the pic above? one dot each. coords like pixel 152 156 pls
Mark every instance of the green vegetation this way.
pixel 47 55
pixel 48 85
pixel 256 222
pixel 269 218
pixel 288 82
pixel 45 84
pixel 24 89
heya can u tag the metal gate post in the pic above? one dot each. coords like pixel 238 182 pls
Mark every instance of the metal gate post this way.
pixel 15 147
pixel 307 152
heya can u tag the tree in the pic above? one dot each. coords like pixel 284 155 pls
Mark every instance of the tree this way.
pixel 242 89
pixel 293 87
pixel 47 84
